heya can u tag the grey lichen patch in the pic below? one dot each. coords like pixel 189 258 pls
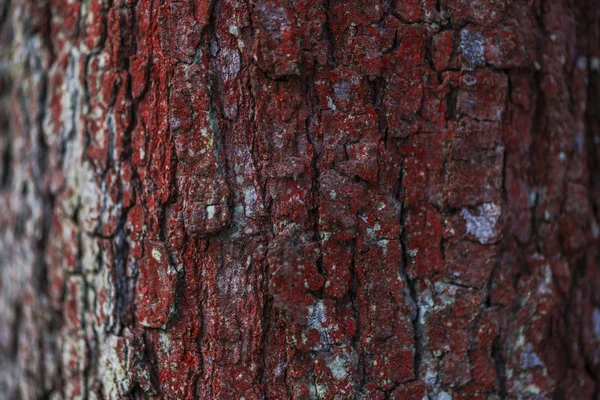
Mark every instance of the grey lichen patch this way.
pixel 338 368
pixel 471 45
pixel 444 396
pixel 529 359
pixel 483 225
pixel 596 322
pixel 114 360
pixel 231 65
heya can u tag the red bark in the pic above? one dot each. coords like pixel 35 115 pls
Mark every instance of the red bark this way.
pixel 316 199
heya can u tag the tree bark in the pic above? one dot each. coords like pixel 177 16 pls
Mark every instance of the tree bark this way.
pixel 305 199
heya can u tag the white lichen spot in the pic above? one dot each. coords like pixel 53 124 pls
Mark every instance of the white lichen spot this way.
pixel 165 342
pixel 321 391
pixel 278 370
pixel 545 286
pixel 211 211
pixel 430 374
pixel 532 389
pixel 331 104
pixel 444 396
pixel 384 246
pixel 325 235
pixel 520 338
pixel 338 368
pixel 233 30
pixel 562 156
pixel 317 319
pixel 156 255
pixel 532 198
pixel 483 226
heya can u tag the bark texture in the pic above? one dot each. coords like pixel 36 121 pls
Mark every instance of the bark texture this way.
pixel 303 199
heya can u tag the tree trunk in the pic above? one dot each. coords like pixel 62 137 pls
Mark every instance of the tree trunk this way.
pixel 304 199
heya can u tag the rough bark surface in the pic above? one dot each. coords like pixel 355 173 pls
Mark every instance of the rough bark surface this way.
pixel 307 199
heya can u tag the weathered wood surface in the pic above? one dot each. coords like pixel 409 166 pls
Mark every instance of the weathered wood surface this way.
pixel 308 199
